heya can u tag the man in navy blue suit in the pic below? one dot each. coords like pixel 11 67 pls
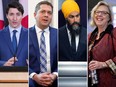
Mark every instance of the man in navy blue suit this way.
pixel 14 52
pixel 72 36
pixel 39 78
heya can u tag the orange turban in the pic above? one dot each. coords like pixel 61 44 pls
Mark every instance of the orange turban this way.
pixel 69 6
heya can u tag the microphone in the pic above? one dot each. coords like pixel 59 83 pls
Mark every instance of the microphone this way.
pixel 15 56
pixel 14 59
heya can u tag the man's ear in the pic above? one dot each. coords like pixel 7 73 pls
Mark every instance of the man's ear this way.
pixel 34 14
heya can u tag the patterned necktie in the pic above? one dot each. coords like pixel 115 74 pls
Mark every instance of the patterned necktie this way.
pixel 14 41
pixel 73 42
pixel 43 55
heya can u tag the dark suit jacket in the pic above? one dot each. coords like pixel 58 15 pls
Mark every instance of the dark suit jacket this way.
pixel 34 54
pixel 65 51
pixel 6 48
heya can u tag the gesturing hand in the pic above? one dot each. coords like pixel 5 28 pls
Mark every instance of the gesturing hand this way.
pixel 11 61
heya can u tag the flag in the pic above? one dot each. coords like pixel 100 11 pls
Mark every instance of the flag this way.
pixel 1 16
pixel 25 15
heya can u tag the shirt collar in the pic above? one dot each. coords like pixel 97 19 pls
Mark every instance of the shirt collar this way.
pixel 38 30
pixel 18 29
pixel 67 29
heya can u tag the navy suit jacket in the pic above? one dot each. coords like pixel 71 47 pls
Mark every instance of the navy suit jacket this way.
pixel 6 47
pixel 34 54
pixel 65 51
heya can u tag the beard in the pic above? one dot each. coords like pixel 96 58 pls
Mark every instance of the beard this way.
pixel 74 27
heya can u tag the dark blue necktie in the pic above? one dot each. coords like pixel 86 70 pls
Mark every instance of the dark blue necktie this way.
pixel 43 54
pixel 14 41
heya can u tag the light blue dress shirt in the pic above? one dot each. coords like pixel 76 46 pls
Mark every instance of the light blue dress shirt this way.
pixel 17 33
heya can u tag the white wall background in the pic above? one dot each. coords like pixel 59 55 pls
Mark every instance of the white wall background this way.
pixel 31 8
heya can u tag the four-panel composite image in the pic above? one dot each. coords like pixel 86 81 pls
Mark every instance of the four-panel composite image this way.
pixel 57 43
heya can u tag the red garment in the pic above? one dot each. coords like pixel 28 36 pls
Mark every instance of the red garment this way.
pixel 102 52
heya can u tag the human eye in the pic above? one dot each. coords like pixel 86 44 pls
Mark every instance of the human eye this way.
pixel 18 14
pixel 42 11
pixel 105 12
pixel 49 12
pixel 97 12
pixel 77 15
pixel 11 14
pixel 71 16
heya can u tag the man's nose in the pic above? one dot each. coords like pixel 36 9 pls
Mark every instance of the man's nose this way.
pixel 75 19
pixel 14 17
pixel 46 14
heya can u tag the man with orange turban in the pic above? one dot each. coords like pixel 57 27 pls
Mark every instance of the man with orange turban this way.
pixel 72 36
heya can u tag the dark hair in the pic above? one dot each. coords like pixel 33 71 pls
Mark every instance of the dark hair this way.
pixel 15 4
pixel 41 3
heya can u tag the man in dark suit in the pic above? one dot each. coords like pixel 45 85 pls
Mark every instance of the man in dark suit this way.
pixel 72 36
pixel 43 48
pixel 14 38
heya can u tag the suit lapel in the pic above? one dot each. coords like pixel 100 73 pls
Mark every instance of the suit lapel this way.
pixel 6 35
pixel 67 46
pixel 22 40
pixel 51 47
pixel 34 39
pixel 66 40
pixel 80 46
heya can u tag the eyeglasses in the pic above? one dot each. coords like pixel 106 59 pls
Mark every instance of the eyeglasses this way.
pixel 101 12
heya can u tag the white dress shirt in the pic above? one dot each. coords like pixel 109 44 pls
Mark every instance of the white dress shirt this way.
pixel 47 43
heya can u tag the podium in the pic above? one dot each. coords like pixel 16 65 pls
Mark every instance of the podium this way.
pixel 13 76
